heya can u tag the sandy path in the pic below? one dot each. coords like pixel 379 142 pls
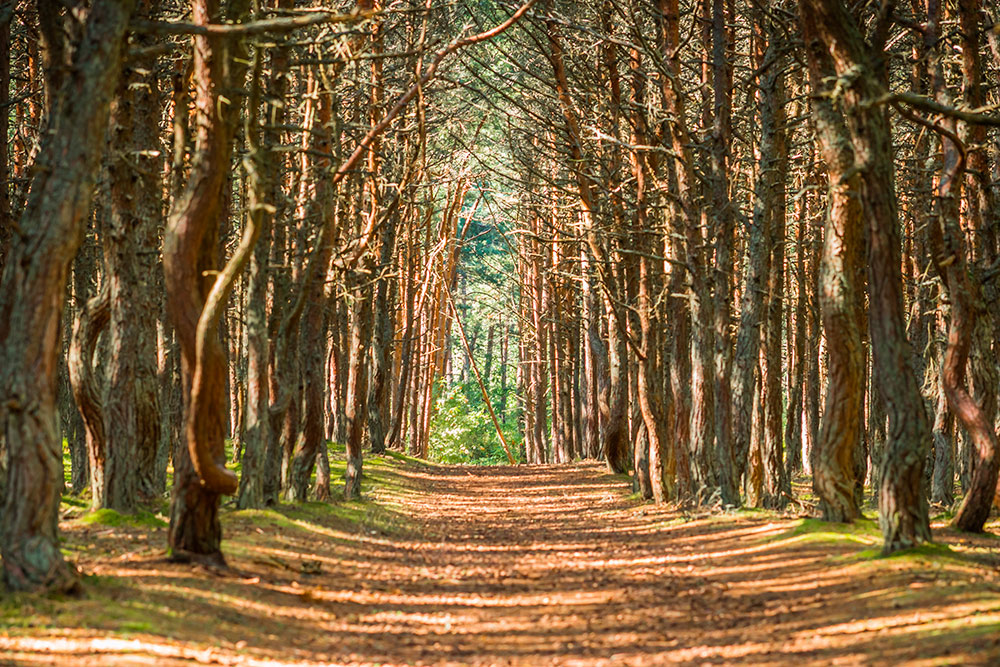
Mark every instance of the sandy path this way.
pixel 553 565
pixel 538 565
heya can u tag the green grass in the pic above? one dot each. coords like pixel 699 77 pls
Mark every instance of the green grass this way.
pixel 864 532
pixel 109 517
pixel 75 501
pixel 927 552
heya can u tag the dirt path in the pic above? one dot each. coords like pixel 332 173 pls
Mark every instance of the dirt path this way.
pixel 532 566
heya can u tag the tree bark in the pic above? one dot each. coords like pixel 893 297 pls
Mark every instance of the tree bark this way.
pixel 839 298
pixel 31 299
pixel 131 245
pixel 357 392
pixel 951 260
pixel 903 513
pixel 313 334
pixel 88 389
pixel 195 293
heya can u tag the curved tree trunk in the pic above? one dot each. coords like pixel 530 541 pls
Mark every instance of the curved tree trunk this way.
pixel 88 388
pixel 32 293
pixel 196 292
pixel 950 257
pixel 982 216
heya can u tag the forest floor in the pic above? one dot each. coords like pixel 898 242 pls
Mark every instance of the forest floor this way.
pixel 540 565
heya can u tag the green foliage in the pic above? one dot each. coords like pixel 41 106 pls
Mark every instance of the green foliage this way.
pixel 462 432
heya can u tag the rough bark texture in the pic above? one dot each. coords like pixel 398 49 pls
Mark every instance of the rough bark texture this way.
pixel 131 244
pixel 724 228
pixel 943 478
pixel 378 400
pixel 190 259
pixel 313 334
pixel 903 513
pixel 357 393
pixel 88 383
pixel 950 258
pixel 266 197
pixel 31 299
pixel 839 299
pixel 5 213
pixel 777 488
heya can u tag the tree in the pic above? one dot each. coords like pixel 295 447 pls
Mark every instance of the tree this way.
pixel 196 294
pixel 81 78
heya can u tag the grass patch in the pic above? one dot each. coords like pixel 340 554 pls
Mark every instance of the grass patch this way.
pixel 929 551
pixel 114 519
pixel 405 458
pixel 863 531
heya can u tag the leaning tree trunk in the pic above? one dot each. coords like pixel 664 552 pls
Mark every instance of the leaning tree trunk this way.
pixel 31 299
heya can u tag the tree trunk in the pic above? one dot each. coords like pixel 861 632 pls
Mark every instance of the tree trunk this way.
pixel 777 489
pixel 196 293
pixel 724 227
pixel 797 349
pixel 382 340
pixel 951 260
pixel 357 392
pixel 31 300
pixel 903 513
pixel 131 244
pixel 943 479
pixel 88 389
pixel 839 298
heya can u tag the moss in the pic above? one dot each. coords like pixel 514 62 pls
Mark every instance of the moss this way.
pixel 863 527
pixel 862 531
pixel 921 553
pixel 109 517
pixel 332 520
pixel 757 512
